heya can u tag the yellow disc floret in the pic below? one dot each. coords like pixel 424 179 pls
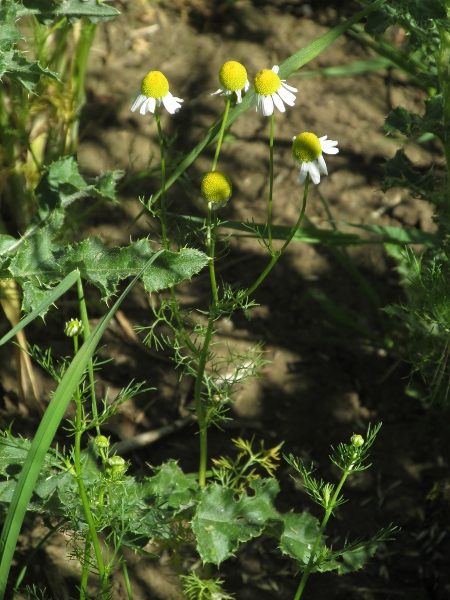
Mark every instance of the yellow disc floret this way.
pixel 232 76
pixel 216 187
pixel 267 82
pixel 306 148
pixel 155 85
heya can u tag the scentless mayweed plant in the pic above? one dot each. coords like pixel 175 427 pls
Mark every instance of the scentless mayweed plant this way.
pixel 86 488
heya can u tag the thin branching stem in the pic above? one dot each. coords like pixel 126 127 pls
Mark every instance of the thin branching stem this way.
pixel 328 512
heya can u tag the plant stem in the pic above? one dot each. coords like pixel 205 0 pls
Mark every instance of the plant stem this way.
pixel 86 332
pixel 328 513
pixel 82 489
pixel 203 427
pixel 277 255
pixel 221 133
pixel 269 206
pixel 163 182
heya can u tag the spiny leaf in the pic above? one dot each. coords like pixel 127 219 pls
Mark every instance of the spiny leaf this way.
pixel 299 534
pixel 223 521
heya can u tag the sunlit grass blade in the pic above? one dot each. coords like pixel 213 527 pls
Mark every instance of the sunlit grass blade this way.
pixel 330 237
pixel 58 291
pixel 353 69
pixel 290 65
pixel 310 51
pixel 45 434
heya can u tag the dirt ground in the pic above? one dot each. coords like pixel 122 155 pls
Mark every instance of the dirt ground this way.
pixel 323 382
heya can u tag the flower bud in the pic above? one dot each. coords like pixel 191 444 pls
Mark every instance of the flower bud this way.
pixel 216 188
pixel 102 441
pixel 357 440
pixel 73 327
pixel 115 468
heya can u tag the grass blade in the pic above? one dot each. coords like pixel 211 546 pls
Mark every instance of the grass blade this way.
pixel 58 291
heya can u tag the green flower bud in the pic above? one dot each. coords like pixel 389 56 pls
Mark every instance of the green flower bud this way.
pixel 115 468
pixel 357 440
pixel 73 327
pixel 102 441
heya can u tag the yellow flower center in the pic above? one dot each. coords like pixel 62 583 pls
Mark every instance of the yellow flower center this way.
pixel 232 76
pixel 155 85
pixel 306 148
pixel 267 82
pixel 216 187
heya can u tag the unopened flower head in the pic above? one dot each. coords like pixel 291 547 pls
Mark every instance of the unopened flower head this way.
pixel 73 327
pixel 307 151
pixel 272 91
pixel 357 440
pixel 154 91
pixel 233 79
pixel 216 188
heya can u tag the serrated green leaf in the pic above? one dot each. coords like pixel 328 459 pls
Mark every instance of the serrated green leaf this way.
pixel 9 34
pixel 414 125
pixel 22 71
pixel 223 521
pixel 46 10
pixel 400 172
pixel 299 535
pixel 172 487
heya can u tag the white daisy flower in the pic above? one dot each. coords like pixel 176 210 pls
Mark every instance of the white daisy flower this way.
pixel 154 91
pixel 307 151
pixel 272 91
pixel 233 79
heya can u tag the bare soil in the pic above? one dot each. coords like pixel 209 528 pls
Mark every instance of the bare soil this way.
pixel 324 381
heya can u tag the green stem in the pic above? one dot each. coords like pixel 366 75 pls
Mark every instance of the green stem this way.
pixel 163 182
pixel 126 578
pixel 269 206
pixel 82 489
pixel 221 133
pixel 211 230
pixel 86 332
pixel 199 410
pixel 83 47
pixel 277 255
pixel 85 568
pixel 328 513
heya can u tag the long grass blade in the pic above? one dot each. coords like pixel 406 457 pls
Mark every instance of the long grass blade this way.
pixel 45 434
pixel 58 291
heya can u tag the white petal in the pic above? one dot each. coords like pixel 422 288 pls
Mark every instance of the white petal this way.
pixel 148 106
pixel 219 91
pixel 328 147
pixel 238 96
pixel 322 164
pixel 278 102
pixel 267 105
pixel 139 100
pixel 171 103
pixel 314 171
pixel 247 85
pixel 303 173
pixel 275 69
pixel 289 87
pixel 286 96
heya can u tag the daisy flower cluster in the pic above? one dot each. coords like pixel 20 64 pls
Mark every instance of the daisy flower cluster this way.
pixel 270 92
